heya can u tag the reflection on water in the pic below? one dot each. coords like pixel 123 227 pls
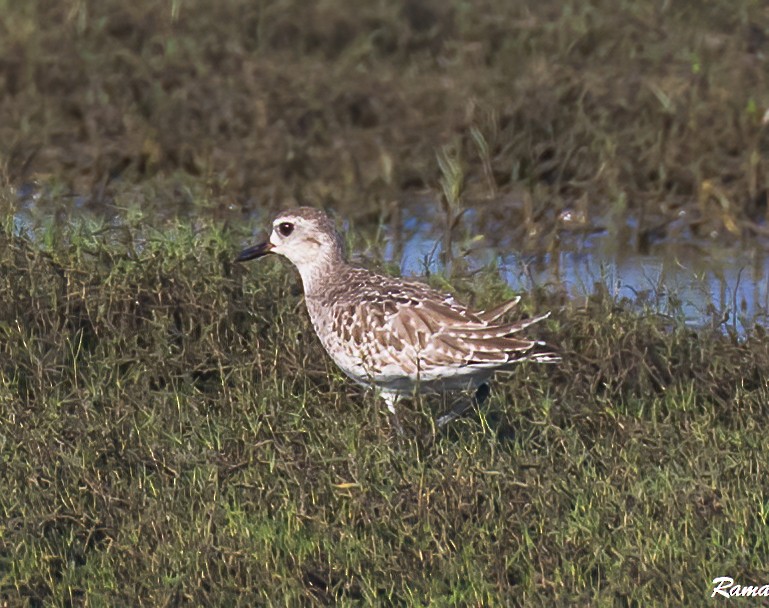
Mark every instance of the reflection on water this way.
pixel 703 283
pixel 699 279
pixel 704 289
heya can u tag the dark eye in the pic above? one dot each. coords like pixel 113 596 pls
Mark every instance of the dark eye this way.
pixel 285 228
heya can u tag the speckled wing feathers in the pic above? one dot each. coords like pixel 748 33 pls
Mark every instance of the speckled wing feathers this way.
pixel 489 316
pixel 408 324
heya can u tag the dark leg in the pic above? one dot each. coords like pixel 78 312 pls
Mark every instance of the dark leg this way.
pixel 481 394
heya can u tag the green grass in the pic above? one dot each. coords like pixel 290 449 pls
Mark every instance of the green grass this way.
pixel 172 433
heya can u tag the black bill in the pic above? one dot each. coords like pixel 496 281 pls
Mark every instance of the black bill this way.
pixel 256 251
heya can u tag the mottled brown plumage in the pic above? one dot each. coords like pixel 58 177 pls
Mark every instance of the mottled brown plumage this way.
pixel 394 334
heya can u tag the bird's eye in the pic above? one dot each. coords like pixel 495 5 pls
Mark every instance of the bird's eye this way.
pixel 285 228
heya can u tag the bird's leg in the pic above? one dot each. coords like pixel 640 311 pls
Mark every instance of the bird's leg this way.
pixel 391 400
pixel 481 394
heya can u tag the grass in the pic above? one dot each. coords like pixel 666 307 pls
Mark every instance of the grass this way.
pixel 171 431
pixel 160 447
pixel 655 109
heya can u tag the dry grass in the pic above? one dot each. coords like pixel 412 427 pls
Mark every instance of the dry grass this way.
pixel 171 432
pixel 626 112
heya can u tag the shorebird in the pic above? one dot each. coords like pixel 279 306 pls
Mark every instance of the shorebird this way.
pixel 396 335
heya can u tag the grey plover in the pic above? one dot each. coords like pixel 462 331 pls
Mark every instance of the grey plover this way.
pixel 396 335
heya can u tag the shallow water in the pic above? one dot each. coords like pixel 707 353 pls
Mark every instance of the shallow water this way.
pixel 704 281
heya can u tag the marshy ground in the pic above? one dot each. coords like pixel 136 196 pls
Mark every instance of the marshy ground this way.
pixel 171 432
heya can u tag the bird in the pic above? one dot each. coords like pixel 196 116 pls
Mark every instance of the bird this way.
pixel 396 335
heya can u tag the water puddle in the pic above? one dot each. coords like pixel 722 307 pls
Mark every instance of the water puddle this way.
pixel 706 283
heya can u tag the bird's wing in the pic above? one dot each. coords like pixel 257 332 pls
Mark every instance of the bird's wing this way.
pixel 489 316
pixel 444 332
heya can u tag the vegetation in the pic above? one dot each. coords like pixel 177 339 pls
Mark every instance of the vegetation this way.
pixel 171 432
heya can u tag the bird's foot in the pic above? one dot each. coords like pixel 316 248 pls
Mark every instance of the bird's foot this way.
pixel 481 394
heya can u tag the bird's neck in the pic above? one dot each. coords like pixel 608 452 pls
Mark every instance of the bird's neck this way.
pixel 317 276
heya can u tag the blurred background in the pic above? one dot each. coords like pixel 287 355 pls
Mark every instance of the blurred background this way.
pixel 171 431
pixel 568 143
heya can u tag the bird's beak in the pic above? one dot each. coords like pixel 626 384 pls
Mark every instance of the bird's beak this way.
pixel 256 251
